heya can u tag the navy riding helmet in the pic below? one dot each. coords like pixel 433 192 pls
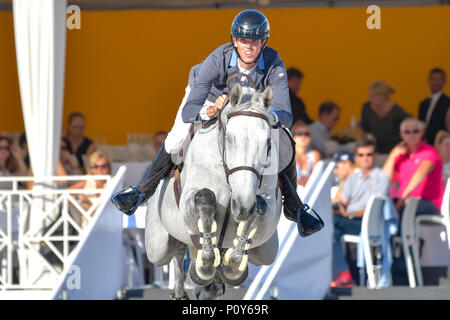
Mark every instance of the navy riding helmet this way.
pixel 250 24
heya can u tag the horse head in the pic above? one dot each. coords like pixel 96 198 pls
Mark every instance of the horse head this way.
pixel 247 146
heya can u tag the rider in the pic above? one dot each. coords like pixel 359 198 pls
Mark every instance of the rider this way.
pixel 246 53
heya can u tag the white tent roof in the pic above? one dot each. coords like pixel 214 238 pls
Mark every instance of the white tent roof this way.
pixel 198 4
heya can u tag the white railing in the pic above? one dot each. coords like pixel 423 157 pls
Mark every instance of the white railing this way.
pixel 40 228
pixel 94 268
pixel 311 250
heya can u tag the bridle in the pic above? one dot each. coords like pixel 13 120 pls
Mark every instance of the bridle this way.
pixel 222 129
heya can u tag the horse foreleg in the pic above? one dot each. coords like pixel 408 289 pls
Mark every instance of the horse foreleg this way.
pixel 234 270
pixel 207 259
pixel 179 293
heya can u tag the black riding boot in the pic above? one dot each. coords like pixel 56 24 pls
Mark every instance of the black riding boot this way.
pixel 293 207
pixel 291 203
pixel 127 202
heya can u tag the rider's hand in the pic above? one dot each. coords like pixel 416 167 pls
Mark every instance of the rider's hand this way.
pixel 218 105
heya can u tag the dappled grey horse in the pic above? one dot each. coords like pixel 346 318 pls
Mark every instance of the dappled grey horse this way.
pixel 230 202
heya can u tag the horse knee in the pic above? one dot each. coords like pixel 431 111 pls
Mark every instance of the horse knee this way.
pixel 205 199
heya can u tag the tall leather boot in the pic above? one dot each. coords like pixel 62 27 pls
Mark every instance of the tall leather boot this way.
pixel 129 201
pixel 291 201
pixel 293 207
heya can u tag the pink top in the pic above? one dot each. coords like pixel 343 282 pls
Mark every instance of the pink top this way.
pixel 431 187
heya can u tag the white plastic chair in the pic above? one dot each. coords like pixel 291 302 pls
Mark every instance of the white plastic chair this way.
pixel 442 219
pixel 372 235
pixel 407 237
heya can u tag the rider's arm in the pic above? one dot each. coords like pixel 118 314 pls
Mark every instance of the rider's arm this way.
pixel 281 102
pixel 200 82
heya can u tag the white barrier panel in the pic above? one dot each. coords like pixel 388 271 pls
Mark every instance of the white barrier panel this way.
pixel 96 268
pixel 258 274
pixel 302 269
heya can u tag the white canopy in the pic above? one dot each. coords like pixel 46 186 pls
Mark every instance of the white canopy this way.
pixel 40 36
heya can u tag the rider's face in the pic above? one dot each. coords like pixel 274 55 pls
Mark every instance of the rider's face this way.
pixel 248 50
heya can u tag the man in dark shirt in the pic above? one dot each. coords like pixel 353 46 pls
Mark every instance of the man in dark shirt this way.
pixel 432 110
pixel 298 108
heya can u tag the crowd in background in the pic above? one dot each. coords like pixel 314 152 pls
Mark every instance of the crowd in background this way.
pixel 415 155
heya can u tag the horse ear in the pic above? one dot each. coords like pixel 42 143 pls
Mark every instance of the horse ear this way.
pixel 236 94
pixel 268 98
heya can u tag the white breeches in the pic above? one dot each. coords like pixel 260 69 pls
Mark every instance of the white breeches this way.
pixel 180 129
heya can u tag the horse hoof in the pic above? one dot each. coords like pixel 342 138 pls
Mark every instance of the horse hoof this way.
pixel 232 277
pixel 172 296
pixel 195 277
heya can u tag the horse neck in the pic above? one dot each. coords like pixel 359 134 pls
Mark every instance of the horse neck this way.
pixel 203 149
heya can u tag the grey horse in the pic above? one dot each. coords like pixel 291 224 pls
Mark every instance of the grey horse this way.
pixel 232 165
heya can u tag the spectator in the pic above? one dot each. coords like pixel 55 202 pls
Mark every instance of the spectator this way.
pixel 345 166
pixel 295 78
pixel 365 182
pixel 329 113
pixel 442 144
pixel 305 160
pixel 447 120
pixel 11 160
pixel 381 117
pixel 24 146
pixel 81 145
pixel 415 168
pixel 433 109
pixel 68 160
pixel 67 165
pixel 99 164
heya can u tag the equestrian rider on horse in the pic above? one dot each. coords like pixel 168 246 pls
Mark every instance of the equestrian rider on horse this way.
pixel 205 95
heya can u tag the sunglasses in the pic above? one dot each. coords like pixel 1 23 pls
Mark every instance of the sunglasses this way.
pixel 103 166
pixel 415 131
pixel 299 134
pixel 365 154
pixel 5 148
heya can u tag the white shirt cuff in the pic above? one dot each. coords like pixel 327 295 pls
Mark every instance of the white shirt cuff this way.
pixel 203 115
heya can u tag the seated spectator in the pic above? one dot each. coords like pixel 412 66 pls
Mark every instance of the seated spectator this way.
pixel 305 160
pixel 295 78
pixel 81 145
pixel 432 110
pixel 329 113
pixel 345 166
pixel 24 146
pixel 415 169
pixel 11 159
pixel 67 165
pixel 381 117
pixel 99 164
pixel 68 160
pixel 365 182
pixel 442 144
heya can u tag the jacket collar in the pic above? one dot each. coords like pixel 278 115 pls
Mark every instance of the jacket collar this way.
pixel 234 58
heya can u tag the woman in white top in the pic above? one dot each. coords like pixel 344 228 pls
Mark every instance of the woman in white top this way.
pixel 99 164
pixel 306 159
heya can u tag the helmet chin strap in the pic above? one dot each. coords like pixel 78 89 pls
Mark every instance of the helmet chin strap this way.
pixel 256 59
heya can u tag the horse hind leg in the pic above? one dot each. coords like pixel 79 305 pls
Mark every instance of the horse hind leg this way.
pixel 207 259
pixel 179 293
pixel 234 270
